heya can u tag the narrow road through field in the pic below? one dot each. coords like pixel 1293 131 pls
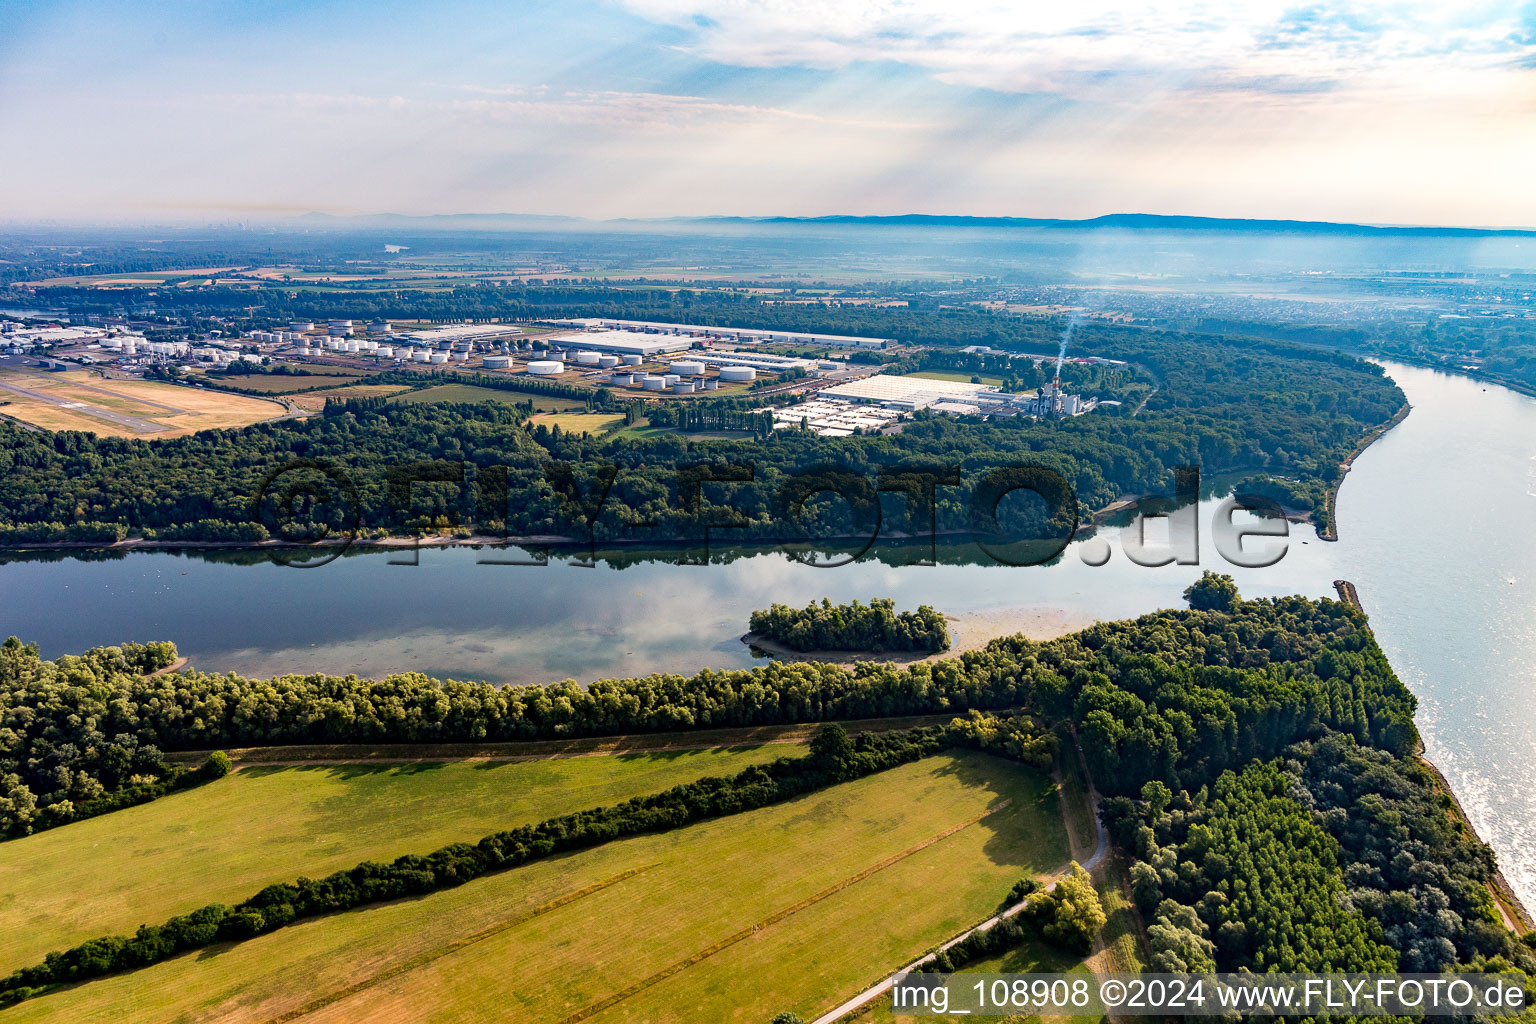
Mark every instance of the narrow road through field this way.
pixel 1101 848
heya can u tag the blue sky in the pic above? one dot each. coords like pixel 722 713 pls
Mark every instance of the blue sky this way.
pixel 1382 112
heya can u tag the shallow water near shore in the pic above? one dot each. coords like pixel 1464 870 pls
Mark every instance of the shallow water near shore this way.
pixel 1437 526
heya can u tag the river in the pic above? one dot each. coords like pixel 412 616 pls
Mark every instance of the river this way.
pixel 1437 525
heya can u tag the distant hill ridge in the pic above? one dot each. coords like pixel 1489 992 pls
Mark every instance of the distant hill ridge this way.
pixel 1111 221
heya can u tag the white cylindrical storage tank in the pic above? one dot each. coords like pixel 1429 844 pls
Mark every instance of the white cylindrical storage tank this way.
pixel 607 361
pixel 653 383
pixel 498 362
pixel 622 379
pixel 711 384
pixel 683 387
pixel 633 360
pixel 587 358
pixel 687 368
pixel 420 355
pixel 370 346
pixel 438 357
pixel 671 378
pixel 354 347
pixel 737 374
pixel 461 356
pixel 546 367
pixel 302 325
pixel 385 351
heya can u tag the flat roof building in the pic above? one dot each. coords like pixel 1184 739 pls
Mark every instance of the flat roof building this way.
pixel 451 333
pixel 622 342
pixel 908 393
pixel 750 335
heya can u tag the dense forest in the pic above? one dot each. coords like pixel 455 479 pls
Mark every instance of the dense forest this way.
pixel 876 626
pixel 1290 412
pixel 1498 347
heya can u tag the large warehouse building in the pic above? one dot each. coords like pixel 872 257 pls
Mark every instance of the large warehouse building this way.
pixel 624 343
pixel 909 394
pixel 746 335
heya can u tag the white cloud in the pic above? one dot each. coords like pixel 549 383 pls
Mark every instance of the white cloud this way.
pixel 1130 52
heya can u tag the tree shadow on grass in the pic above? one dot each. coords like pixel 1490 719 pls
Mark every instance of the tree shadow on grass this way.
pixel 1034 803
pixel 347 772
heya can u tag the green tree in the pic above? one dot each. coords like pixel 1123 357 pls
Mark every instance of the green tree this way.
pixel 1213 592
pixel 831 747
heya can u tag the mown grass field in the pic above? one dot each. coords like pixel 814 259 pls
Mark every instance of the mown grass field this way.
pixel 580 422
pixel 282 383
pixel 1030 958
pixel 164 410
pixel 471 393
pixel 225 841
pixel 314 401
pixel 1120 953
pixel 791 907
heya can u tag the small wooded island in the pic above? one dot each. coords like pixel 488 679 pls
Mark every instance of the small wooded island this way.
pixel 876 626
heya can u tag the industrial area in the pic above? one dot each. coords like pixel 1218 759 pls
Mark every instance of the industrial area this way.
pixel 827 393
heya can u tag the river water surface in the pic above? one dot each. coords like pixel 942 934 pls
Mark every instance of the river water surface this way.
pixel 1437 524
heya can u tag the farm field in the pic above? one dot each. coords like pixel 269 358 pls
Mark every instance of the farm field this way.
pixel 314 401
pixel 279 384
pixel 224 841
pixel 471 393
pixel 809 899
pixel 77 400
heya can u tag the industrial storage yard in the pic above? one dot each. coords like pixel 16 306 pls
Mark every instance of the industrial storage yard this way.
pixel 879 401
pixel 304 363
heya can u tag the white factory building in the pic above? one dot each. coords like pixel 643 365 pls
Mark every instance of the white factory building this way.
pixel 757 360
pixel 746 335
pixel 908 394
pixel 880 400
pixel 831 418
pixel 624 343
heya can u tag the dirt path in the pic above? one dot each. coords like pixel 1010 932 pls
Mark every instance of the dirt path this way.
pixel 535 750
pixel 175 666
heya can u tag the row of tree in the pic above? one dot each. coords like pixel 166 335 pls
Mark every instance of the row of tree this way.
pixel 833 758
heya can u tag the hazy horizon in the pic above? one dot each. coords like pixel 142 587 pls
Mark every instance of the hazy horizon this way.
pixel 1363 112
